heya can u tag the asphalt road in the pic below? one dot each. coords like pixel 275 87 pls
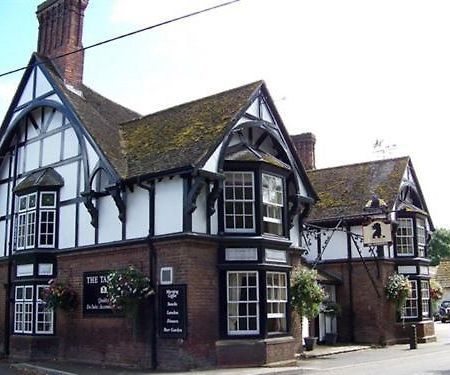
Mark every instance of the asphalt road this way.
pixel 432 358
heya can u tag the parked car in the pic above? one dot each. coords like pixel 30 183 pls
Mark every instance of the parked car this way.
pixel 444 311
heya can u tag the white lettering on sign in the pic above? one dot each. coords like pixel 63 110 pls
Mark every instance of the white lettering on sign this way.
pixel 172 321
pixel 92 279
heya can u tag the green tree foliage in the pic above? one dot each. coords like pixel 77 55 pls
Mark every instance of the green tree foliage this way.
pixel 439 246
pixel 307 294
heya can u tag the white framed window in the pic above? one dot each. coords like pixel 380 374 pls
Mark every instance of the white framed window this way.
pixel 47 219
pixel 405 237
pixel 44 317
pixel 421 237
pixel 26 221
pixel 242 303
pixel 272 193
pixel 45 269
pixel 276 302
pixel 30 314
pixel 23 270
pixel 239 199
pixel 23 309
pixel 32 218
pixel 425 293
pixel 410 309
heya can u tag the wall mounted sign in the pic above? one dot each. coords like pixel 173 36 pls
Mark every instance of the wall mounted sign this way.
pixel 377 233
pixel 172 311
pixel 95 295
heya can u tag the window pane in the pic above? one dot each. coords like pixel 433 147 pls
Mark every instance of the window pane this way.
pixel 239 201
pixel 276 302
pixel 242 302
pixel 48 199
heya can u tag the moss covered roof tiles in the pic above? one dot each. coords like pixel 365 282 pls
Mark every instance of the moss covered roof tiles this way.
pixel 344 191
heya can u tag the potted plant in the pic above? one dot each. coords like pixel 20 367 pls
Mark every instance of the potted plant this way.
pixel 59 295
pixel 331 310
pixel 306 297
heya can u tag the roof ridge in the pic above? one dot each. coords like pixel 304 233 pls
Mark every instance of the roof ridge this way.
pixel 260 82
pixel 360 163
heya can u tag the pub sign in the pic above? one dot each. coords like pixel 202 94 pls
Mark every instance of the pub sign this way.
pixel 95 294
pixel 172 311
pixel 377 233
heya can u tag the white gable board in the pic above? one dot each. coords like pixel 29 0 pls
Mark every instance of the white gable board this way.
pixel 169 206
pixel 67 215
pixel 27 93
pixel 43 86
pixel 109 225
pixel 138 209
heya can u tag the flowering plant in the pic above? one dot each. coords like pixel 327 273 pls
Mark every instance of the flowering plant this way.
pixel 397 289
pixel 436 291
pixel 126 288
pixel 59 295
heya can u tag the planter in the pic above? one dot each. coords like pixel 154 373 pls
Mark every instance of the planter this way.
pixel 330 338
pixel 310 343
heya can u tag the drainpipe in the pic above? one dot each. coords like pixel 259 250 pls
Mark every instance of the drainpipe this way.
pixel 350 283
pixel 152 269
pixel 10 246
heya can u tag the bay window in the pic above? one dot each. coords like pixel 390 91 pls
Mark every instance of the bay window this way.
pixel 272 193
pixel 421 237
pixel 30 314
pixel 239 201
pixel 410 309
pixel 36 220
pixel 405 237
pixel 242 303
pixel 276 285
pixel 425 298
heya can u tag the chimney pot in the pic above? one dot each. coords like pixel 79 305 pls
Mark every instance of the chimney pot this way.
pixel 60 32
pixel 305 145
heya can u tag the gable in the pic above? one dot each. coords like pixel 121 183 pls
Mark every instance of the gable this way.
pixel 345 190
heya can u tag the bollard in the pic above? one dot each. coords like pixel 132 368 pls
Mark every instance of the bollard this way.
pixel 413 337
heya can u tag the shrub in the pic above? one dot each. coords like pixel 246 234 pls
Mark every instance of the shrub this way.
pixel 307 294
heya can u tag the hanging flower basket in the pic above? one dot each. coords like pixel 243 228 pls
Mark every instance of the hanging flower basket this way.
pixel 59 295
pixel 397 290
pixel 436 291
pixel 127 289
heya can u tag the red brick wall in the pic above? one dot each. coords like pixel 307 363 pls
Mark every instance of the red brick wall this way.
pixel 374 317
pixel 195 264
pixel 108 340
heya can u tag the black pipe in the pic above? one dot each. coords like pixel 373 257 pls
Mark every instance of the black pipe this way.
pixel 350 284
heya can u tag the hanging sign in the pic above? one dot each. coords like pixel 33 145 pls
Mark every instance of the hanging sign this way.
pixel 172 311
pixel 377 233
pixel 95 294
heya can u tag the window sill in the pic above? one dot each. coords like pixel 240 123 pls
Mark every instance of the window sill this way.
pixel 269 341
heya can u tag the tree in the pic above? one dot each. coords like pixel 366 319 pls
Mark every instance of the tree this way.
pixel 307 294
pixel 439 247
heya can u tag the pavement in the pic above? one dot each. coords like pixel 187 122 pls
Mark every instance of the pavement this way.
pixel 72 368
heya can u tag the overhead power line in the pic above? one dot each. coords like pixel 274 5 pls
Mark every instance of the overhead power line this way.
pixel 129 34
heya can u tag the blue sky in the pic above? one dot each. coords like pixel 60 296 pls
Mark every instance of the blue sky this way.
pixel 350 71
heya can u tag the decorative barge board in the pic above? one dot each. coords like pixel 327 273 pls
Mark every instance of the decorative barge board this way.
pixel 206 198
pixel 352 197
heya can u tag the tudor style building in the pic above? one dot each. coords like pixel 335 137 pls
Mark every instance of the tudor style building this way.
pixel 206 198
pixel 351 197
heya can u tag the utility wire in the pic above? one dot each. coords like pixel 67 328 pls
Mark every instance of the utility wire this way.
pixel 128 34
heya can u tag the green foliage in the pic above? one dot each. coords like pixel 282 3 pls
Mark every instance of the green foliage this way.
pixel 397 289
pixel 331 308
pixel 59 295
pixel 127 288
pixel 307 294
pixel 439 247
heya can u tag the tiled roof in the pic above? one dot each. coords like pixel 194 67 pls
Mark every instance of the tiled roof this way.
pixel 344 191
pixel 183 135
pixel 101 118
pixel 47 177
pixel 443 273
pixel 174 138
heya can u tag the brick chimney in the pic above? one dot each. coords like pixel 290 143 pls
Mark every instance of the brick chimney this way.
pixel 305 145
pixel 60 32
